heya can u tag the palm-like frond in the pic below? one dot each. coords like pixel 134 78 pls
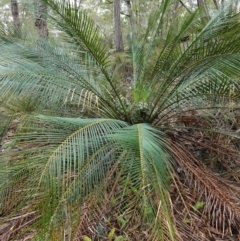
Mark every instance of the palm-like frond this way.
pixel 219 197
pixel 84 33
pixel 209 54
pixel 79 68
pixel 71 171
pixel 70 158
pixel 80 28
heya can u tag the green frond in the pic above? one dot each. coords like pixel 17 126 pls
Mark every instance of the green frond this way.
pixel 213 53
pixel 147 171
pixel 46 73
pixel 134 152
pixel 71 157
pixel 80 28
pixel 82 32
pixel 80 168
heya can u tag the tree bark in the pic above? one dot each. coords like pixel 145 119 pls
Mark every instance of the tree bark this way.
pixel 215 3
pixel 185 6
pixel 129 7
pixel 200 2
pixel 202 5
pixel 15 14
pixel 77 4
pixel 41 17
pixel 117 27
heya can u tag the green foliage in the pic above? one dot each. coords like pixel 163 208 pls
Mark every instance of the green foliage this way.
pixel 106 144
pixel 85 238
pixel 199 205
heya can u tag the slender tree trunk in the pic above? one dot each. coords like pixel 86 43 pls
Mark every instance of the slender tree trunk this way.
pixel 41 17
pixel 117 27
pixel 236 3
pixel 200 2
pixel 184 5
pixel 129 7
pixel 15 14
pixel 215 3
pixel 203 7
pixel 77 4
pixel 175 7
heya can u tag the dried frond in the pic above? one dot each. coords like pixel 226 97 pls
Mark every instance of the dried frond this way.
pixel 221 209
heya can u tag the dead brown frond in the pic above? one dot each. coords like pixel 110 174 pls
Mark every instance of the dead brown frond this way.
pixel 210 203
pixel 17 227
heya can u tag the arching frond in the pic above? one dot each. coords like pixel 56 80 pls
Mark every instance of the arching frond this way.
pixel 70 158
pixel 133 159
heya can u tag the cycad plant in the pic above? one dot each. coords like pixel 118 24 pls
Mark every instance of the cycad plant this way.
pixel 144 158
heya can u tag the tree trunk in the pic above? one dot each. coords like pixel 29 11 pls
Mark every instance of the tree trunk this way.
pixel 15 14
pixel 200 2
pixel 129 7
pixel 184 5
pixel 117 27
pixel 215 3
pixel 41 17
pixel 203 7
pixel 77 4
